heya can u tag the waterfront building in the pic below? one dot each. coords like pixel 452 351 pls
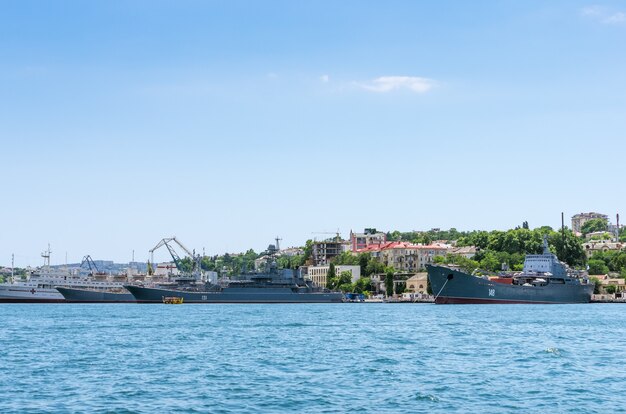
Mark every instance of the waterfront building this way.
pixel 319 274
pixel 369 237
pixel 417 283
pixel 619 285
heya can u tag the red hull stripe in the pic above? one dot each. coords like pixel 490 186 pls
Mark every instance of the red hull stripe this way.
pixel 442 300
pixel 11 300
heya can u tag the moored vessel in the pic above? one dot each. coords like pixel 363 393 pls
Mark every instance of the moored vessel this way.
pixel 85 295
pixel 40 286
pixel 270 286
pixel 544 279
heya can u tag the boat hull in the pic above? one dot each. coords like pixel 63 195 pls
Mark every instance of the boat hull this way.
pixel 234 295
pixel 26 294
pixel 94 296
pixel 455 287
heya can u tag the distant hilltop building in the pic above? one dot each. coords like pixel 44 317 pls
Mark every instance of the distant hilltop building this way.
pixel 291 251
pixel 595 246
pixel 580 219
pixel 369 237
pixel 166 269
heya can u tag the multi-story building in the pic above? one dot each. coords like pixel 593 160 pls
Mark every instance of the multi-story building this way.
pixel 369 237
pixel 324 251
pixel 406 257
pixel 319 274
pixel 580 219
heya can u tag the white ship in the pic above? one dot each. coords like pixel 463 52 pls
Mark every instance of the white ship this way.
pixel 40 285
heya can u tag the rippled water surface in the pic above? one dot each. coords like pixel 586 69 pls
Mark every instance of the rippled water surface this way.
pixel 312 358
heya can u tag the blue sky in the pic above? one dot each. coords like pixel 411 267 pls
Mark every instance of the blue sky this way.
pixel 227 123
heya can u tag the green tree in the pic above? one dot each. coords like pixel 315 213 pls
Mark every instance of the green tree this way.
pixel 185 265
pixel 490 262
pixel 362 285
pixel 389 282
pixel 346 258
pixel 610 289
pixel 618 262
pixel 400 288
pixel 207 263
pixel 374 267
pixel 596 285
pixel 364 259
pixel 331 277
pixel 568 249
pixel 593 225
pixel 439 259
pixel 597 267
pixel 308 250
pixel 345 277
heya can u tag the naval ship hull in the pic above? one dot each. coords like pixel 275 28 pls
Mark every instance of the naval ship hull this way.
pixel 25 294
pixel 95 296
pixel 235 295
pixel 455 287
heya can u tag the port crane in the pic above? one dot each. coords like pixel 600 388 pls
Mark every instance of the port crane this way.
pixel 93 269
pixel 168 243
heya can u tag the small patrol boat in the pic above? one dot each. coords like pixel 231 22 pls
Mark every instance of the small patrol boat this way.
pixel 172 300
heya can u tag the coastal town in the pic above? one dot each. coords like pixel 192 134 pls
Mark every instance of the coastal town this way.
pixel 380 265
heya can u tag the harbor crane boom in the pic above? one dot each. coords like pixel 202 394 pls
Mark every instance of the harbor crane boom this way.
pixel 90 263
pixel 167 242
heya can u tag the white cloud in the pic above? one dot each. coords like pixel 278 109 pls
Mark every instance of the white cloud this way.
pixel 325 78
pixel 591 11
pixel 603 15
pixel 618 17
pixel 390 83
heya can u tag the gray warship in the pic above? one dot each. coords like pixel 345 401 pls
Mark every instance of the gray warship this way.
pixel 544 279
pixel 272 285
pixel 75 295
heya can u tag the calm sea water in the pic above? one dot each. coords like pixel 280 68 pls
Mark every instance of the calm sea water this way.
pixel 313 358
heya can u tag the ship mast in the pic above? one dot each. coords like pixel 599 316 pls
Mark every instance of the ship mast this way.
pixel 46 258
pixel 564 249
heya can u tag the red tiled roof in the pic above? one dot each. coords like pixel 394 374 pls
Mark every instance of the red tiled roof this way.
pixel 400 245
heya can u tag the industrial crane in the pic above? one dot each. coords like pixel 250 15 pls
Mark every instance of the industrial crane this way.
pixel 167 242
pixel 93 269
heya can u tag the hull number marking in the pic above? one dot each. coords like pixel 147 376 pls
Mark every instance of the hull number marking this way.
pixel 492 292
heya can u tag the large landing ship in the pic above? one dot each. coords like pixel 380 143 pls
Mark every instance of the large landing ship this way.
pixel 544 280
